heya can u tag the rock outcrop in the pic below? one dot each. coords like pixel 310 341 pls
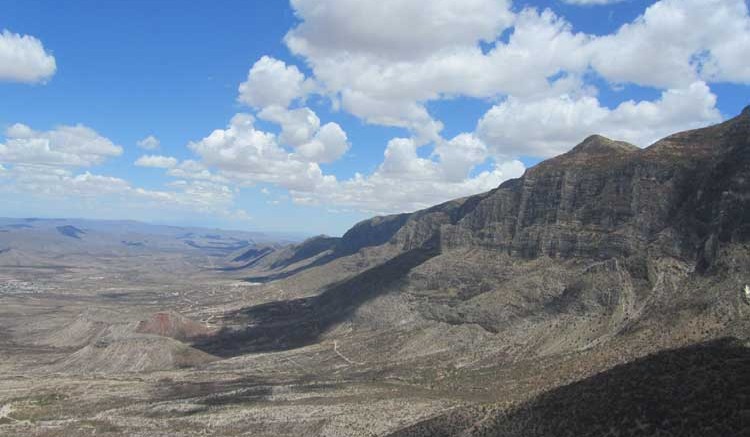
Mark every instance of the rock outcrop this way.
pixel 605 198
pixel 605 241
pixel 173 325
pixel 685 196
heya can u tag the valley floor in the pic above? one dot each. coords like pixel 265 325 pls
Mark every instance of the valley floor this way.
pixel 48 318
pixel 120 351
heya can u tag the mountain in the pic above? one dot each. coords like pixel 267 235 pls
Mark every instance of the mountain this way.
pixel 592 259
pixel 604 207
pixel 55 241
pixel 602 199
pixel 602 293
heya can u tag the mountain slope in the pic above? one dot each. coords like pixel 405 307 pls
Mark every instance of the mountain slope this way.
pixel 604 198
pixel 682 199
pixel 591 259
pixel 692 391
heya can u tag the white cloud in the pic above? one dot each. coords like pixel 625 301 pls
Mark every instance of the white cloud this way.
pixel 388 191
pixel 460 155
pixel 194 170
pixel 394 29
pixel 247 155
pixel 397 111
pixel 272 82
pixel 388 81
pixel 329 144
pixel 60 184
pixel 149 143
pixel 680 41
pixel 298 126
pixel 77 146
pixel 87 184
pixel 156 161
pixel 551 126
pixel 42 180
pixel 401 161
pixel 592 2
pixel 202 195
pixel 24 59
pixel 384 60
pixel 383 66
pixel 406 182
pixel 42 162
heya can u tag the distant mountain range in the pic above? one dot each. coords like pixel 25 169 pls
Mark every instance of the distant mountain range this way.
pixel 33 242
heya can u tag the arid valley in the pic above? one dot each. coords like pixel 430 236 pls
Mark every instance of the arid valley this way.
pixel 515 312
pixel 375 218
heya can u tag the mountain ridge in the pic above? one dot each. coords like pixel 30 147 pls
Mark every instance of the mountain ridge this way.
pixel 576 257
pixel 620 174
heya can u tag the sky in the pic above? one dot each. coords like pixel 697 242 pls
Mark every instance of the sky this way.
pixel 310 115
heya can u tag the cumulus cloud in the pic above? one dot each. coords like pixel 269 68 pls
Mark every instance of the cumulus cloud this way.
pixel 42 164
pixel 680 41
pixel 271 87
pixel 60 184
pixel 24 59
pixel 383 61
pixel 328 145
pixel 149 143
pixel 203 195
pixel 382 66
pixel 42 180
pixel 550 126
pixel 156 161
pixel 298 126
pixel 194 170
pixel 405 182
pixel 247 155
pixel 460 155
pixel 394 29
pixel 388 83
pixel 77 146
pixel 592 2
pixel 272 82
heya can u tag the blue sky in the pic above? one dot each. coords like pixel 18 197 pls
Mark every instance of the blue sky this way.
pixel 410 110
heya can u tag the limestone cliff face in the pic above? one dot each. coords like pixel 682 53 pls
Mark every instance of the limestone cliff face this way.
pixel 686 193
pixel 591 259
pixel 607 244
pixel 372 232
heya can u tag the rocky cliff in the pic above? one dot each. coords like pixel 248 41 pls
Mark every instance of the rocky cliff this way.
pixel 604 198
pixel 592 259
pixel 646 217
pixel 686 193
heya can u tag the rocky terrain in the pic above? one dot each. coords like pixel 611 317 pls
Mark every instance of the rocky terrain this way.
pixel 602 293
pixel 696 390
